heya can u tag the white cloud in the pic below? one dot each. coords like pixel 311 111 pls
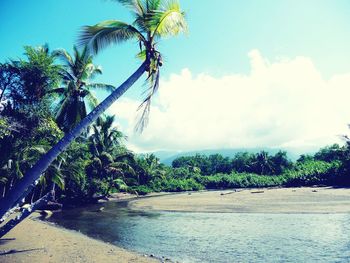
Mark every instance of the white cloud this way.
pixel 284 103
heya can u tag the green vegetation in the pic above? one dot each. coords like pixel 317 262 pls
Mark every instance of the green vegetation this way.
pixel 45 96
pixel 35 115
pixel 153 20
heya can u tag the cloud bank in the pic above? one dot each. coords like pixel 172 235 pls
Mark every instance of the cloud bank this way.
pixel 284 103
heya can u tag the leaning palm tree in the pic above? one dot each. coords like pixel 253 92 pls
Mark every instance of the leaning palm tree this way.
pixel 77 73
pixel 153 20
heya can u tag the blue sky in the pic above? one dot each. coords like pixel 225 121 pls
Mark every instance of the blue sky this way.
pixel 219 41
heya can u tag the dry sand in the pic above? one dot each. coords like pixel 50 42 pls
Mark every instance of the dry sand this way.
pixel 36 241
pixel 277 200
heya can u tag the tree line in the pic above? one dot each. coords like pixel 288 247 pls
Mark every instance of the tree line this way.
pixel 152 21
pixel 35 114
pixel 54 137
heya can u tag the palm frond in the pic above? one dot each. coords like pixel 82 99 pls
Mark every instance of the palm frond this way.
pixel 66 75
pixel 141 55
pixel 91 100
pixel 58 179
pixel 168 21
pixel 120 184
pixel 145 106
pixel 63 108
pixel 137 6
pixel 154 4
pixel 106 33
pixel 59 91
pixel 100 86
pixel 64 56
pixel 96 71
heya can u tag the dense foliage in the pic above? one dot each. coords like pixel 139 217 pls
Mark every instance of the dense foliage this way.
pixel 41 99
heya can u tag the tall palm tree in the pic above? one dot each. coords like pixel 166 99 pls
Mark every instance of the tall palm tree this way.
pixel 77 73
pixel 263 163
pixel 153 20
pixel 150 168
pixel 111 163
pixel 105 137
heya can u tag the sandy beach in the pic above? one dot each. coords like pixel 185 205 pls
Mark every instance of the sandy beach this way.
pixel 37 241
pixel 276 200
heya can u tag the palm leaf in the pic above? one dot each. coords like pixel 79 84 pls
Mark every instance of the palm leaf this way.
pixel 64 56
pixel 141 55
pixel 120 184
pixel 91 100
pixel 100 86
pixel 145 106
pixel 136 6
pixel 57 91
pixel 57 178
pixel 168 21
pixel 108 32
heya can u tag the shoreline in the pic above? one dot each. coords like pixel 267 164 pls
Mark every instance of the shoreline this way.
pixel 35 240
pixel 296 200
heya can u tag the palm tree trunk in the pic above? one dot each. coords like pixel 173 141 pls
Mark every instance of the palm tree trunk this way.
pixel 35 172
pixel 26 212
pixel 20 201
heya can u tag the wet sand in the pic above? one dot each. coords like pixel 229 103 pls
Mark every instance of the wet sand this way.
pixel 275 200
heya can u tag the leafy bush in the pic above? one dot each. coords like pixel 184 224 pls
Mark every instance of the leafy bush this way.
pixel 140 189
pixel 176 185
pixel 312 172
pixel 240 180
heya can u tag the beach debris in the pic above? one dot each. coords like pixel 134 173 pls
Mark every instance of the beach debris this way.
pixel 234 191
pixel 257 192
pixel 25 206
pixel 45 213
pixel 52 206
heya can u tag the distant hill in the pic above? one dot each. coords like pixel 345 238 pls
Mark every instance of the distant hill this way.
pixel 167 157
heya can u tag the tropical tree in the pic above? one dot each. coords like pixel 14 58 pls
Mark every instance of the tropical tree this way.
pixel 280 162
pixel 150 169
pixel 243 162
pixel 31 79
pixel 9 77
pixel 111 166
pixel 106 172
pixel 263 163
pixel 153 20
pixel 77 73
pixel 105 137
pixel 26 114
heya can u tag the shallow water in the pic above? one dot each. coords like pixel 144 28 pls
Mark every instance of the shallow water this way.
pixel 217 237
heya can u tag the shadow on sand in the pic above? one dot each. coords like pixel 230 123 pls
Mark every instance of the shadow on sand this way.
pixel 14 251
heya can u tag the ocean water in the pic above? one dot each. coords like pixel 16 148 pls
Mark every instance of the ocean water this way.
pixel 216 237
